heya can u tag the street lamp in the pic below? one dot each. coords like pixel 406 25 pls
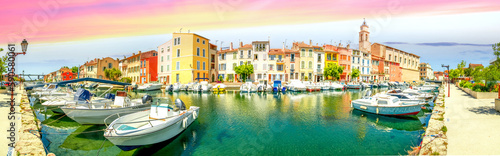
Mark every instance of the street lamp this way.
pixel 447 67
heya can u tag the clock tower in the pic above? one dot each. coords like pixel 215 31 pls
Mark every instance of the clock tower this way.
pixel 364 38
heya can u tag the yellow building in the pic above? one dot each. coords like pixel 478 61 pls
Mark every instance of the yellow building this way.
pixel 331 56
pixel 190 58
pixel 306 59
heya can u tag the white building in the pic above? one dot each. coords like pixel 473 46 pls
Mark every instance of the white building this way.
pixel 365 66
pixel 260 59
pixel 356 63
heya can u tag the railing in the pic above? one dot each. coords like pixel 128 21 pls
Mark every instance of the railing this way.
pixel 292 70
pixel 292 60
pixel 241 56
pixel 280 61
pixel 249 56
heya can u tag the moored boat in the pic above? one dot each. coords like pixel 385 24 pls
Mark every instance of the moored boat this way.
pixel 160 123
pixel 385 105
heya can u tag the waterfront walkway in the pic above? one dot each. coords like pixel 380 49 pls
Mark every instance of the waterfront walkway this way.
pixel 4 110
pixel 472 124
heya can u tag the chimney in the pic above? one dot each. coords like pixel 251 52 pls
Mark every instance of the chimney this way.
pixel 283 46
pixel 348 45
pixel 310 42
pixel 241 44
pixel 220 48
pixel 133 54
pixel 231 46
pixel 139 52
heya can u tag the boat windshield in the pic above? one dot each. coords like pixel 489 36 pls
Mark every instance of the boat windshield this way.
pixel 395 100
pixel 382 102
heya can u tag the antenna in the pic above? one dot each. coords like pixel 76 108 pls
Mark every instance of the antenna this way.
pixel 189 30
pixel 180 31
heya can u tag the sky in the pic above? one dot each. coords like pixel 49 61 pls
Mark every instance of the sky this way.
pixel 68 33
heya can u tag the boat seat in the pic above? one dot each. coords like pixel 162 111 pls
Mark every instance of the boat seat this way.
pixel 160 112
pixel 126 127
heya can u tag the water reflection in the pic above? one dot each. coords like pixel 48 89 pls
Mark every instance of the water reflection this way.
pixel 256 124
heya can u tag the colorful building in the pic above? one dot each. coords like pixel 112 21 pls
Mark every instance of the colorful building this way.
pixel 345 61
pixel 165 62
pixel 66 74
pixel 331 56
pixel 132 65
pixel 190 60
pixel 306 60
pixel 213 72
pixel 276 62
pixel 148 67
pixel 292 63
pixel 426 72
pixel 260 60
pixel 228 60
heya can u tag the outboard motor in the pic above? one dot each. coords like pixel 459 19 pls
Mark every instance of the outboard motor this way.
pixel 171 88
pixel 260 89
pixel 283 89
pixel 368 93
pixel 199 88
pixel 146 99
pixel 110 96
pixel 82 95
pixel 179 104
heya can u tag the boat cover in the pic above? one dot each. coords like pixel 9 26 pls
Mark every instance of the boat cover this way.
pixel 110 96
pixel 82 95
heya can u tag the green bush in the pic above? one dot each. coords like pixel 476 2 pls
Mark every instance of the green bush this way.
pixel 479 87
pixel 467 85
pixel 462 83
pixel 3 87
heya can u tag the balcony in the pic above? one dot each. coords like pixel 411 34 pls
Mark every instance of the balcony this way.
pixel 279 61
pixel 292 70
pixel 319 60
pixel 241 56
pixel 249 56
pixel 319 70
pixel 292 60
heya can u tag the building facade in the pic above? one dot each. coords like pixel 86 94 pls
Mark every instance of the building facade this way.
pixel 148 67
pixel 213 72
pixel 190 60
pixel 164 62
pixel 426 72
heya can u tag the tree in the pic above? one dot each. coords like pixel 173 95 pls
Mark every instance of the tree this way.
pixel 221 79
pixel 65 67
pixel 3 64
pixel 496 50
pixel 355 73
pixel 244 71
pixel 126 79
pixel 460 68
pixel 112 74
pixel 453 73
pixel 74 69
pixel 333 70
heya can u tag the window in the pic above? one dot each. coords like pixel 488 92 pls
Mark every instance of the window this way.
pixel 271 57
pixel 168 67
pixel 302 65
pixel 310 53
pixel 161 50
pixel 389 57
pixel 177 66
pixel 198 65
pixel 303 52
pixel 198 75
pixel 310 64
pixel 234 65
pixel 162 59
pixel 279 67
pixel 271 67
pixel 110 65
pixel 179 40
pixel 203 41
pixel 264 67
pixel 178 52
pixel 234 55
pixel 198 40
pixel 241 63
pixel 292 66
pixel 168 57
pixel 161 69
pixel 176 77
pixel 203 52
pixel 197 51
pixel 203 65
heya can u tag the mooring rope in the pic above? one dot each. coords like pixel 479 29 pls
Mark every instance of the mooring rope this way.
pixel 101 146
pixel 55 119
pixel 94 131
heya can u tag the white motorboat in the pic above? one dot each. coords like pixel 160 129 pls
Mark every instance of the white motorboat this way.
pixel 219 87
pixel 325 86
pixel 419 94
pixel 203 86
pixel 150 86
pixel 263 86
pixel 406 97
pixel 160 123
pixel 248 87
pixel 337 86
pixel 365 85
pixel 297 86
pixel 385 105
pixel 87 111
pixel 353 85
pixel 382 85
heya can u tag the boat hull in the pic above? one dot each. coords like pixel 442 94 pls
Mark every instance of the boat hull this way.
pixel 391 111
pixel 153 135
pixel 97 116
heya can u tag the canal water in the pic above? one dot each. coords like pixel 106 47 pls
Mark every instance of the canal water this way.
pixel 320 123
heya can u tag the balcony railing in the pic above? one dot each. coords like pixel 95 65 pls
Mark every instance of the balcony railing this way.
pixel 292 70
pixel 280 61
pixel 241 56
pixel 292 60
pixel 319 70
pixel 249 56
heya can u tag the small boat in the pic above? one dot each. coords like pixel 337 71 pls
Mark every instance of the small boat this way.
pixel 353 86
pixel 277 87
pixel 337 86
pixel 406 97
pixel 248 87
pixel 427 84
pixel 160 123
pixel 263 86
pixel 419 94
pixel 190 86
pixel 86 111
pixel 385 105
pixel 297 86
pixel 203 86
pixel 325 86
pixel 150 86
pixel 365 85
pixel 48 87
pixel 169 88
pixel 176 87
pixel 219 88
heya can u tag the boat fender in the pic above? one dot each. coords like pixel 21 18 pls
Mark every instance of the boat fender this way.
pixel 184 123
pixel 377 110
pixel 194 115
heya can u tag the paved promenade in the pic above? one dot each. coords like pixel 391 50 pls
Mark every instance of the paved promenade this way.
pixel 4 110
pixel 473 124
